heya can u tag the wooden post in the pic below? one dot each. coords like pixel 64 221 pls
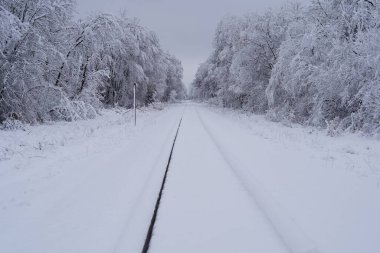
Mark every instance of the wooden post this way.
pixel 134 100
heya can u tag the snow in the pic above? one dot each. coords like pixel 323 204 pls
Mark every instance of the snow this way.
pixel 236 183
pixel 89 195
pixel 204 208
pixel 329 188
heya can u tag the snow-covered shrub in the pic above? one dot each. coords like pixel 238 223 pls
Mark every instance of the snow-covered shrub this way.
pixel 11 124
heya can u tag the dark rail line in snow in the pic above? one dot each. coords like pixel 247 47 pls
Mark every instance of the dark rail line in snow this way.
pixel 157 206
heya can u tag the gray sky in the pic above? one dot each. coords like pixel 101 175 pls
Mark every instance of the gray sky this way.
pixel 185 28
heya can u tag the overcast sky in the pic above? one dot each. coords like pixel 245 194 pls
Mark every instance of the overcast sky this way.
pixel 185 27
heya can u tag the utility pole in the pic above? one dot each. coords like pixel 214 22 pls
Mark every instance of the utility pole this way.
pixel 134 99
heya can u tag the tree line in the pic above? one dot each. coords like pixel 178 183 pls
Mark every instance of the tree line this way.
pixel 53 67
pixel 316 64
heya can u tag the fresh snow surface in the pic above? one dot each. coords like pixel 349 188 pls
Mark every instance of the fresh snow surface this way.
pixel 236 183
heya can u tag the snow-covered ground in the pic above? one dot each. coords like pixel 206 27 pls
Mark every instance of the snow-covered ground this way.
pixel 237 183
pixel 90 188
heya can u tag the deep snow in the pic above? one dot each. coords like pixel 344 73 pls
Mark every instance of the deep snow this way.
pixel 237 183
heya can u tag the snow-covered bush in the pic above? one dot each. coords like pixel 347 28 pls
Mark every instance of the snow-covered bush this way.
pixel 11 124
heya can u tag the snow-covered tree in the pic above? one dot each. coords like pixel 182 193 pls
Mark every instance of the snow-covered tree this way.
pixel 54 68
pixel 30 55
pixel 315 64
pixel 326 72
pixel 245 50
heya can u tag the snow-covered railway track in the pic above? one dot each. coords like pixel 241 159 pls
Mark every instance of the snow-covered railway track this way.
pixel 149 234
pixel 241 188
pixel 204 207
pixel 234 185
